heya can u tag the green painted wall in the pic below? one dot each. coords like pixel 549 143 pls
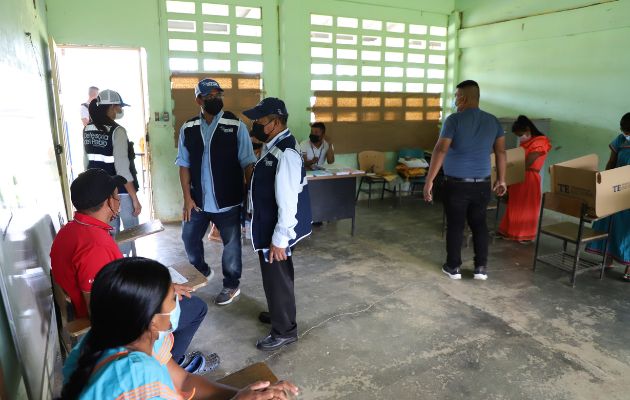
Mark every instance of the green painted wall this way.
pixel 25 112
pixel 571 66
pixel 286 60
pixel 135 24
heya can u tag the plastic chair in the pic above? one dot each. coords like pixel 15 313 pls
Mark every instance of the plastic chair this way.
pixel 411 153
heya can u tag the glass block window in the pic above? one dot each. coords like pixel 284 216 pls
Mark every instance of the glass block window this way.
pixel 356 54
pixel 214 36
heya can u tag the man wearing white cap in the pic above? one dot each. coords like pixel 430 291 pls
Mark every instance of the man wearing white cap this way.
pixel 215 159
pixel 107 147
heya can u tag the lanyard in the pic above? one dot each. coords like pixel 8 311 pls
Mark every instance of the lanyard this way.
pixel 320 151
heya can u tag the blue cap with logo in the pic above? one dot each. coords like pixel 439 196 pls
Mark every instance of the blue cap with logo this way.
pixel 270 105
pixel 205 86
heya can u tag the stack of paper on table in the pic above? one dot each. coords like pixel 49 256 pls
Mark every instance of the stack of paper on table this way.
pixel 319 172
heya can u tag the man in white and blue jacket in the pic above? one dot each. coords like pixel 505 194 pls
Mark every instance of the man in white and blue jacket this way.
pixel 281 216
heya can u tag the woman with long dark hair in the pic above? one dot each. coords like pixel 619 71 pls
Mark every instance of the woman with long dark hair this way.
pixel 520 221
pixel 107 147
pixel 619 240
pixel 125 354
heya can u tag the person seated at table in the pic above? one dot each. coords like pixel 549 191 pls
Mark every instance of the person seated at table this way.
pixel 619 239
pixel 84 245
pixel 316 150
pixel 520 221
pixel 126 353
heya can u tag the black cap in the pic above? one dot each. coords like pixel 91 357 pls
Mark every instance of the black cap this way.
pixel 270 105
pixel 93 187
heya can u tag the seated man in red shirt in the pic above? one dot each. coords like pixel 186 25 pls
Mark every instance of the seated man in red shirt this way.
pixel 84 246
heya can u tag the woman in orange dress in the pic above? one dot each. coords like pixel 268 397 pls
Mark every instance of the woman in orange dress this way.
pixel 520 221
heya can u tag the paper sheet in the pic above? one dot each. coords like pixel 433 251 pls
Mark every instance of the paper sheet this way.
pixel 176 277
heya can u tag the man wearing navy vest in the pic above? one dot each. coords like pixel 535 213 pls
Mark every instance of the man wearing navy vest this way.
pixel 215 158
pixel 281 216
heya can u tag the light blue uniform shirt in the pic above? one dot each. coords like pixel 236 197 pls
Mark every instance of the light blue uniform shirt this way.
pixel 245 157
pixel 473 133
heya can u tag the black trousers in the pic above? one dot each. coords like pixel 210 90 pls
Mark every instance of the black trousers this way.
pixel 463 202
pixel 277 280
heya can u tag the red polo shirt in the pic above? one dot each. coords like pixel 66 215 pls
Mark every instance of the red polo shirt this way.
pixel 81 249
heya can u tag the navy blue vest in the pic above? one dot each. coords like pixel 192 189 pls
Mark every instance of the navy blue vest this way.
pixel 227 174
pixel 99 149
pixel 264 206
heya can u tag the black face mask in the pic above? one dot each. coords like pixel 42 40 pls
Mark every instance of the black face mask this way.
pixel 257 146
pixel 258 131
pixel 213 106
pixel 314 138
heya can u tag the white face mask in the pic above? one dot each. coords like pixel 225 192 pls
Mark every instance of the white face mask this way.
pixel 454 105
pixel 524 138
pixel 626 136
pixel 120 114
pixel 174 319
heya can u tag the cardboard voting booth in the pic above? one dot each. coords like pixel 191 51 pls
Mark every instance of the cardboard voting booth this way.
pixel 515 170
pixel 604 192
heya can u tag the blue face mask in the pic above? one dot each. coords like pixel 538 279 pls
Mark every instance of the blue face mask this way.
pixel 626 136
pixel 174 318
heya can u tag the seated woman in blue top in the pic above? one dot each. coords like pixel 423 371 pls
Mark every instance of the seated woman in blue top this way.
pixel 126 353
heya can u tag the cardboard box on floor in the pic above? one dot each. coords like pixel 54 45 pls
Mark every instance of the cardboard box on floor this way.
pixel 604 192
pixel 515 171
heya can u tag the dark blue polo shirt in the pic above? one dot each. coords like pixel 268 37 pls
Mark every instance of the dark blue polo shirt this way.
pixel 473 133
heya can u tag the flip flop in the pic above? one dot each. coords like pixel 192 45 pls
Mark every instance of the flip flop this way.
pixel 626 277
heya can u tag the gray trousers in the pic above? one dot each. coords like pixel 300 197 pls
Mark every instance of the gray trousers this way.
pixel 128 220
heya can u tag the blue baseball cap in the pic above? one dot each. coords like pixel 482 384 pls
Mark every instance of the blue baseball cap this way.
pixel 270 105
pixel 205 86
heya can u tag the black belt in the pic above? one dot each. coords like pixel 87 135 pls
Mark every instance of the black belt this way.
pixel 467 180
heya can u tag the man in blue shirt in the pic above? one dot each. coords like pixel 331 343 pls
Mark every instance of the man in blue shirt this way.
pixel 215 159
pixel 467 139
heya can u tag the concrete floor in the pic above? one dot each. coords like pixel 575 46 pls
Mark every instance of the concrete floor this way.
pixel 378 319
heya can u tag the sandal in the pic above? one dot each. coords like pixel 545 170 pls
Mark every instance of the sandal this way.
pixel 200 363
pixel 626 277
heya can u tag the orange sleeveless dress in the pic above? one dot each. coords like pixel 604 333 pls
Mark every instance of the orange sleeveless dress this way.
pixel 520 221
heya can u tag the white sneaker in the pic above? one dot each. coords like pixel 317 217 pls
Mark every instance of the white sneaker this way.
pixel 452 273
pixel 480 274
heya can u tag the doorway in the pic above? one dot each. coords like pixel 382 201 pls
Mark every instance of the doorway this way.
pixel 119 69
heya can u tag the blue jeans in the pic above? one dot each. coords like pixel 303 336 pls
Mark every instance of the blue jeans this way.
pixel 193 312
pixel 128 220
pixel 229 225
